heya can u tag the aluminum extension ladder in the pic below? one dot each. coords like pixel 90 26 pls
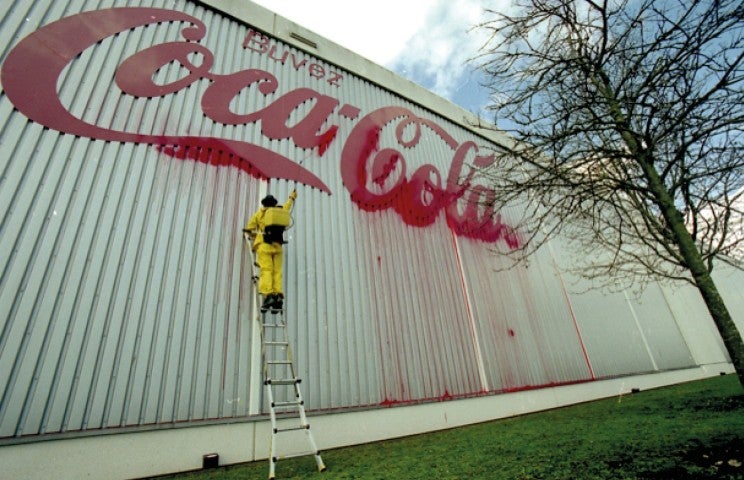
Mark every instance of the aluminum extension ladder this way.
pixel 286 406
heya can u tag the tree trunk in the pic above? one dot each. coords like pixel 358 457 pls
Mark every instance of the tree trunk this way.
pixel 726 326
pixel 701 276
pixel 685 243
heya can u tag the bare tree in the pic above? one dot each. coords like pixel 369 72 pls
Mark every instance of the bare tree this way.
pixel 627 121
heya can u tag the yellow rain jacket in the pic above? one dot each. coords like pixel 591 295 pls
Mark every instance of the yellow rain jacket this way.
pixel 257 224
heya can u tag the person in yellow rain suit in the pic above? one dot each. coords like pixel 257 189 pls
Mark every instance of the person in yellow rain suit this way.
pixel 267 243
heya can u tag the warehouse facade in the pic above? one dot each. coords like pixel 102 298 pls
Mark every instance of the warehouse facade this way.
pixel 137 139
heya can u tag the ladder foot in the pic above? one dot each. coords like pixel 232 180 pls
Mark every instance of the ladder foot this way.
pixel 319 462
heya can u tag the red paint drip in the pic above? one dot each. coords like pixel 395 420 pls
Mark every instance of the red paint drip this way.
pixel 576 326
pixel 388 402
pixel 325 141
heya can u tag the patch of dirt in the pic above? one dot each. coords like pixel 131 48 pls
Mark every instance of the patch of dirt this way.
pixel 723 461
pixel 726 404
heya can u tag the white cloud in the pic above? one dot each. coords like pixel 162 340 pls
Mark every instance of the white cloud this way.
pixel 439 52
pixel 426 41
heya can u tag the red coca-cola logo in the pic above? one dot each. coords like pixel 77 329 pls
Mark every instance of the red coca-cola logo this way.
pixel 375 175
pixel 367 168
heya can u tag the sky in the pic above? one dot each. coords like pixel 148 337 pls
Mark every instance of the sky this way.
pixel 426 41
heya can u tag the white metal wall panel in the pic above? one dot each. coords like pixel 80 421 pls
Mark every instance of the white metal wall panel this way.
pixel 386 317
pixel 124 293
pixel 705 343
pixel 624 331
pixel 125 289
pixel 665 341
pixel 728 280
pixel 614 342
pixel 527 332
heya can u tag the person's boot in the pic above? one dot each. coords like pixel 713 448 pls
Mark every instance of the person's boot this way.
pixel 278 302
pixel 267 303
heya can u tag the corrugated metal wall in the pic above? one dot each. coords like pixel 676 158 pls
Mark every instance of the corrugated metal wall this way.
pixel 525 323
pixel 125 293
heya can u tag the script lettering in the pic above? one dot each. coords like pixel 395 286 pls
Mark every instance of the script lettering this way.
pixel 31 71
pixel 263 45
pixel 376 178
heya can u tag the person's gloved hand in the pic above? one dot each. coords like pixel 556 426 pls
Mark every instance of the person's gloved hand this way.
pixel 293 195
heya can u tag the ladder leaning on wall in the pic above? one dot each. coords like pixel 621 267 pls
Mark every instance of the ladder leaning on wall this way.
pixel 286 406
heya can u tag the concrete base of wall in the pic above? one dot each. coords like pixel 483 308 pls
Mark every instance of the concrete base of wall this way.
pixel 142 454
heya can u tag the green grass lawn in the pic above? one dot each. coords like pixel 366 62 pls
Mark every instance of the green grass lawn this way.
pixel 683 432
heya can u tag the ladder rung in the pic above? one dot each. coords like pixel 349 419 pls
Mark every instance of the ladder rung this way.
pixel 276 344
pixel 278 362
pixel 291 429
pixel 295 455
pixel 294 403
pixel 282 381
pixel 274 325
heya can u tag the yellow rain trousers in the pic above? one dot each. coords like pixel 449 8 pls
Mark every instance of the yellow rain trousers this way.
pixel 269 257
